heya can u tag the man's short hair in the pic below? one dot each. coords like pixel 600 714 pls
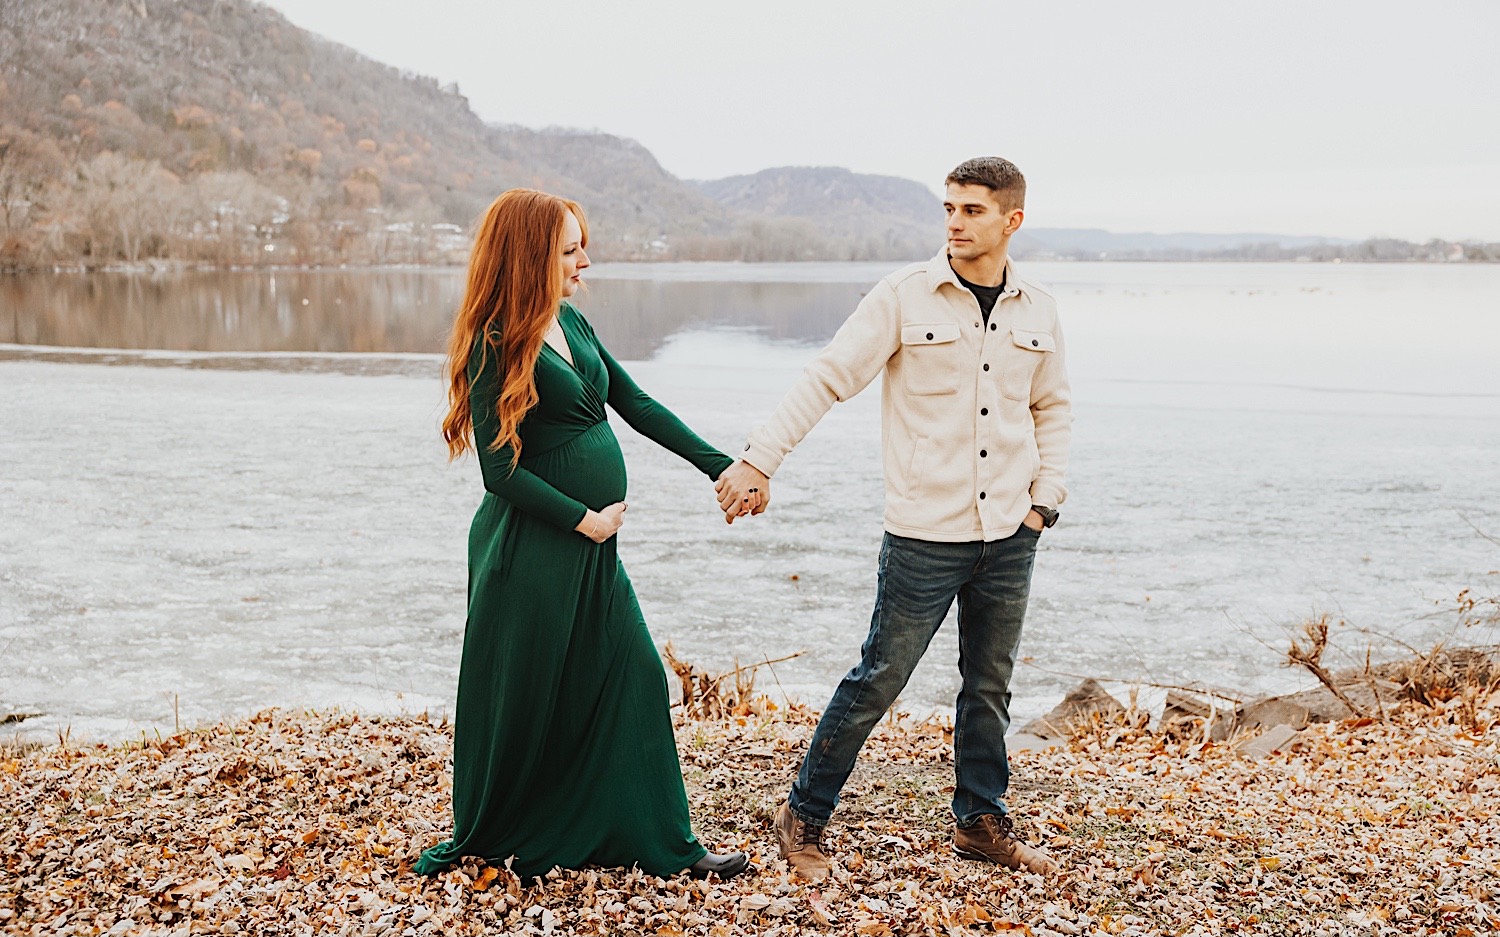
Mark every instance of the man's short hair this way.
pixel 998 175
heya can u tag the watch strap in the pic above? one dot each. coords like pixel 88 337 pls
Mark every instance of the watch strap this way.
pixel 1049 515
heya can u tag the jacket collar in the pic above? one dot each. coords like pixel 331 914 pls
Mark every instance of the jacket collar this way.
pixel 939 271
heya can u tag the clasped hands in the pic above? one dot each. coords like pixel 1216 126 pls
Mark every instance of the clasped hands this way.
pixel 742 489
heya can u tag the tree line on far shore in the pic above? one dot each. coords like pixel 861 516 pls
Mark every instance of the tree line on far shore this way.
pixel 112 210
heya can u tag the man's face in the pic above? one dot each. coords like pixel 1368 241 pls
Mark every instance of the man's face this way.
pixel 977 223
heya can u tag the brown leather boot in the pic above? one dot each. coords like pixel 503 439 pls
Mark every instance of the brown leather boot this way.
pixel 801 845
pixel 992 839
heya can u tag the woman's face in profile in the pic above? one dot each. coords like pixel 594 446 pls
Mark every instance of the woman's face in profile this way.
pixel 572 259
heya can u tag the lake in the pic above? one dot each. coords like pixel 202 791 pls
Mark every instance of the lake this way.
pixel 223 491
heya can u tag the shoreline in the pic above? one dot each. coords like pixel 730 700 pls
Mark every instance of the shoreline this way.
pixel 1223 713
pixel 358 363
pixel 175 266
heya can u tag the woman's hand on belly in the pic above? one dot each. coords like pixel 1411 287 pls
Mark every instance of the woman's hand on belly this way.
pixel 600 525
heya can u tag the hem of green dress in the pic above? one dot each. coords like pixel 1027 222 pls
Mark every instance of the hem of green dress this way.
pixel 430 864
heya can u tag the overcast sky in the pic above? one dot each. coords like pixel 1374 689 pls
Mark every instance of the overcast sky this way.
pixel 1348 118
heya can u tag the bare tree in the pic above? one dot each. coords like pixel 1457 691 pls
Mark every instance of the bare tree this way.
pixel 29 164
pixel 228 216
pixel 121 208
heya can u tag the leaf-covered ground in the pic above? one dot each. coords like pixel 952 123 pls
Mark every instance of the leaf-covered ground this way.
pixel 307 823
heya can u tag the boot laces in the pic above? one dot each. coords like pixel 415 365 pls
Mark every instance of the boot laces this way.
pixel 1005 826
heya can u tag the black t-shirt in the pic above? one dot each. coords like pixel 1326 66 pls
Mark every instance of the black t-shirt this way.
pixel 987 295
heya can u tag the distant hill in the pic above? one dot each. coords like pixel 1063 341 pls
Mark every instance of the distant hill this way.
pixel 223 87
pixel 862 217
pixel 637 210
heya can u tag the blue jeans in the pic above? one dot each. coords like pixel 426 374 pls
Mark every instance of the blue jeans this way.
pixel 919 580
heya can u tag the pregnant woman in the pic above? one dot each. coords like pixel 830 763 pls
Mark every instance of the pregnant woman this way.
pixel 563 754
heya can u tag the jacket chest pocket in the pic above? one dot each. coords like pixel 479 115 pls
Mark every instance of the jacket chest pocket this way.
pixel 930 356
pixel 1023 356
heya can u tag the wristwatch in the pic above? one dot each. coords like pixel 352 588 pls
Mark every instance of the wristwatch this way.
pixel 1049 515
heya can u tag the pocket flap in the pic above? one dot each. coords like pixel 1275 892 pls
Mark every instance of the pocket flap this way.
pixel 935 334
pixel 1033 341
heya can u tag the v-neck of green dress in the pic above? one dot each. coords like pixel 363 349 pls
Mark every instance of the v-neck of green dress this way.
pixel 568 340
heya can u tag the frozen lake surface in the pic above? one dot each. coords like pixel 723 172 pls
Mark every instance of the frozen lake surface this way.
pixel 1255 444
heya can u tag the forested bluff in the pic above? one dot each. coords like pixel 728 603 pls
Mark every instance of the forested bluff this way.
pixel 216 133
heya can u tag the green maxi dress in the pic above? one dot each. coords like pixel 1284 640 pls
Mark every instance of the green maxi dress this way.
pixel 563 752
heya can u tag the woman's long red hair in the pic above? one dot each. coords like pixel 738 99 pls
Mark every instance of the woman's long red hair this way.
pixel 514 287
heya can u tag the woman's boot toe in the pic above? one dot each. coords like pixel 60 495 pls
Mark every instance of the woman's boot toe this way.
pixel 722 864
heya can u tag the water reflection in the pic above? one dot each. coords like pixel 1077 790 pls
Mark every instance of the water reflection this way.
pixel 317 311
pixel 381 311
pixel 634 318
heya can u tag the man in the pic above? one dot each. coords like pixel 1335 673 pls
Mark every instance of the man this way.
pixel 976 423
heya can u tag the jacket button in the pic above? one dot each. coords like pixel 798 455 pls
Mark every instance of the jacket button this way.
pixel 983 454
pixel 929 338
pixel 1033 342
pixel 983 411
pixel 976 325
pixel 992 326
pixel 981 496
pixel 986 367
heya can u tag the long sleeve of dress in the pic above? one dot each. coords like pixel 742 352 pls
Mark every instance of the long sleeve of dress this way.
pixel 520 487
pixel 654 421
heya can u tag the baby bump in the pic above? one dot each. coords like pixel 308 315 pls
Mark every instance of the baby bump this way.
pixel 589 467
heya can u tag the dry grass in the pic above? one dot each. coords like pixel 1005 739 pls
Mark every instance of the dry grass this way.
pixel 1444 673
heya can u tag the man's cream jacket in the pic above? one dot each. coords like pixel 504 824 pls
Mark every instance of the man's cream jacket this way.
pixel 976 418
